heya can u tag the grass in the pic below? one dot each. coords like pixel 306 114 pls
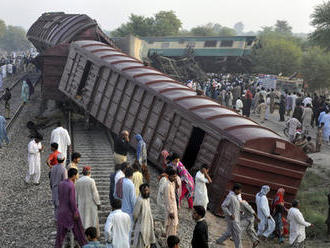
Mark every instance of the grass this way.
pixel 314 204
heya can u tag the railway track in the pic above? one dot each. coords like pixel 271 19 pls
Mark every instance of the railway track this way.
pixel 95 146
pixel 16 103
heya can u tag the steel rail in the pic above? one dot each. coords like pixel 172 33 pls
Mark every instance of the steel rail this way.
pixel 20 106
pixel 14 84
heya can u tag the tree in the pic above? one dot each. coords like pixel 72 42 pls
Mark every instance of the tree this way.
pixel 283 27
pixel 239 28
pixel 2 28
pixel 205 30
pixel 225 31
pixel 13 38
pixel 211 29
pixel 277 56
pixel 321 21
pixel 315 68
pixel 165 23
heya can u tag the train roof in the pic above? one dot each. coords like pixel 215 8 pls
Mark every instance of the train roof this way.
pixel 241 130
pixel 196 38
pixel 53 28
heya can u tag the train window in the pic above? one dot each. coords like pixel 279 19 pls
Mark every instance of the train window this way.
pixel 84 77
pixel 226 43
pixel 193 147
pixel 191 44
pixel 165 45
pixel 210 43
pixel 249 42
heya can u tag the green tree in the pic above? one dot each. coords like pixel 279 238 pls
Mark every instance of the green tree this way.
pixel 211 29
pixel 165 23
pixel 315 68
pixel 2 28
pixel 225 31
pixel 283 27
pixel 205 30
pixel 14 39
pixel 277 56
pixel 321 21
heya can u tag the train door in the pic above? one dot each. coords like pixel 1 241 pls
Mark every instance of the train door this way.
pixel 220 172
pixel 193 147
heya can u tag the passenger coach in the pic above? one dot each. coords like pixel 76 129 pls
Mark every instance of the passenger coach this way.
pixel 122 93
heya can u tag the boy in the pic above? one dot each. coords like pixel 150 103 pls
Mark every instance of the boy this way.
pixel 92 239
pixel 200 235
pixel 52 159
pixel 173 241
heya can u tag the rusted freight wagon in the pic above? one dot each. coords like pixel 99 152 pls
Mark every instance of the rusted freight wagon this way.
pixel 51 34
pixel 122 93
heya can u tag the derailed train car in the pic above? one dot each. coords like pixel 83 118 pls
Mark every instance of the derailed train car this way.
pixel 51 34
pixel 122 93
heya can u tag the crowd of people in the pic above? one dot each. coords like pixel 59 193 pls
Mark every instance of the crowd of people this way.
pixel 130 223
pixel 246 94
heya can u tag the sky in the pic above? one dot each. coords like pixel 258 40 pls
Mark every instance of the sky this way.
pixel 111 13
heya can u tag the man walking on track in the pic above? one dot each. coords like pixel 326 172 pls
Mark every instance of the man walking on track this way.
pixel 117 227
pixel 68 218
pixel 3 132
pixel 143 233
pixel 171 219
pixel 88 200
pixel 6 98
pixel 34 149
pixel 58 173
pixel 231 209
pixel 61 136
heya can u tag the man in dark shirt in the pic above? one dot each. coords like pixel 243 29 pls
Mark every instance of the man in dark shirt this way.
pixel 121 147
pixel 6 98
pixel 200 236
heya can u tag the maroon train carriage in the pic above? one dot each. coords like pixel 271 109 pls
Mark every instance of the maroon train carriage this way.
pixel 52 34
pixel 122 93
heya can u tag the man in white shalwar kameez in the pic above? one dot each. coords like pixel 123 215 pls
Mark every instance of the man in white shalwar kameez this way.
pixel 201 179
pixel 88 200
pixel 297 226
pixel 143 230
pixel 161 199
pixel 266 225
pixel 34 149
pixel 171 209
pixel 61 136
pixel 117 227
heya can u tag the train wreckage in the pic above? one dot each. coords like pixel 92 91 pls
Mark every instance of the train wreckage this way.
pixel 121 92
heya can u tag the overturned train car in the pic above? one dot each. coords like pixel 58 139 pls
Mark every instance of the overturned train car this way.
pixel 122 93
pixel 52 34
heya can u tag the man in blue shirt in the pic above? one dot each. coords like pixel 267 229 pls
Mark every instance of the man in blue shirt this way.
pixel 128 193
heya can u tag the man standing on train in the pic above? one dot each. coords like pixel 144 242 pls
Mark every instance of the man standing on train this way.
pixel 61 136
pixel 121 147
